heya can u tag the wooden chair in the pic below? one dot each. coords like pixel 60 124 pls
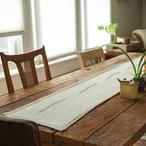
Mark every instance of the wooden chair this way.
pixel 14 132
pixel 90 57
pixel 140 35
pixel 26 68
pixel 137 37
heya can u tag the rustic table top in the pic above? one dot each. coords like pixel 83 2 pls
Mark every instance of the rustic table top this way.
pixel 116 122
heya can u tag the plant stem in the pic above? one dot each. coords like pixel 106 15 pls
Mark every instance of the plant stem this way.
pixel 134 68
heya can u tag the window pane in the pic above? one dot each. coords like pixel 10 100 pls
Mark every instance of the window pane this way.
pixel 11 45
pixel 58 26
pixel 11 16
pixel 97 13
pixel 4 45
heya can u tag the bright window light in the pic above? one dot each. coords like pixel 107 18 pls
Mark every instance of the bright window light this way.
pixel 97 13
pixel 11 16
pixel 58 26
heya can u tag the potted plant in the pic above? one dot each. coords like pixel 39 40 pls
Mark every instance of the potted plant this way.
pixel 138 70
pixel 111 29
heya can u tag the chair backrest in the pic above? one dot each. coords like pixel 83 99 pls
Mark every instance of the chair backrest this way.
pixel 137 37
pixel 140 35
pixel 14 132
pixel 26 68
pixel 91 57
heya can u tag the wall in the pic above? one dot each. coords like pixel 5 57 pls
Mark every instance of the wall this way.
pixel 144 13
pixel 128 13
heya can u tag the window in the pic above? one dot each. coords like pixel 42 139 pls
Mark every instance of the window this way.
pixel 63 26
pixel 4 45
pixel 97 13
pixel 58 27
pixel 11 17
pixel 11 44
pixel 11 26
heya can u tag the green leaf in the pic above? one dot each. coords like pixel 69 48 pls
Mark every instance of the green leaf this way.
pixel 111 29
pixel 139 69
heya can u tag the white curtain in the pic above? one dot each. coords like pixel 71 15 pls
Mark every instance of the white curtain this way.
pixel 11 17
pixel 97 13
pixel 56 28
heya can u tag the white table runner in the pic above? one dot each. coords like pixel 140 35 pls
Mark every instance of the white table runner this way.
pixel 63 108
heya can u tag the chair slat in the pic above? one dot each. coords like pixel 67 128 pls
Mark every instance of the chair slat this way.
pixel 94 55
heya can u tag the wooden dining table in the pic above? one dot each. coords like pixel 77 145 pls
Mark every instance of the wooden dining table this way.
pixel 115 122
